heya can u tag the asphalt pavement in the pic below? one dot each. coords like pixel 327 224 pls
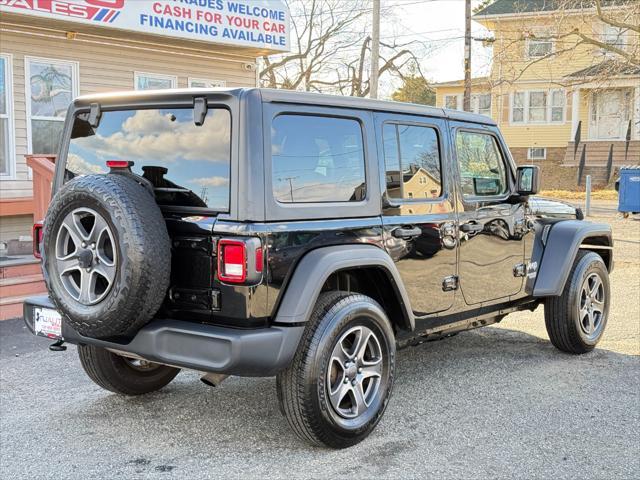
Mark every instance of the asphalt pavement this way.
pixel 497 402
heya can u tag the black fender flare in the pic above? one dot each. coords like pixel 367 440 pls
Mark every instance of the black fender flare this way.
pixel 315 268
pixel 561 245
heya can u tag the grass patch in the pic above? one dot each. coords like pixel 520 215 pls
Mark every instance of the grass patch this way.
pixel 571 195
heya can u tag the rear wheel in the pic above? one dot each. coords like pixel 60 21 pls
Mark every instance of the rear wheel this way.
pixel 126 376
pixel 338 385
pixel 576 319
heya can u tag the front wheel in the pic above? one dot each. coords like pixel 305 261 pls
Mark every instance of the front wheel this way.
pixel 338 385
pixel 576 319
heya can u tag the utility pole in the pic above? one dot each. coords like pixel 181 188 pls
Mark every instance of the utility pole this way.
pixel 466 102
pixel 375 51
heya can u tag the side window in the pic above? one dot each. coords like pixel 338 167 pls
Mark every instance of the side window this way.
pixel 412 161
pixel 482 169
pixel 317 159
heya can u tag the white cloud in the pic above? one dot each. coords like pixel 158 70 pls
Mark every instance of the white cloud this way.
pixel 210 181
pixel 149 135
pixel 80 166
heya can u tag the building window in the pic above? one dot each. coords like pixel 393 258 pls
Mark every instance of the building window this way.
pixel 453 102
pixel 317 159
pixel 412 161
pixel 614 36
pixel 539 45
pixel 538 106
pixel 537 153
pixel 481 104
pixel 6 117
pixel 205 83
pixel 51 85
pixel 154 81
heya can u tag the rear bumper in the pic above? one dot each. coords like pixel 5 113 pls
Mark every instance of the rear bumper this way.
pixel 256 352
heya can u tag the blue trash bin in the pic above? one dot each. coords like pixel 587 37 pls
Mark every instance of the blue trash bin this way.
pixel 629 190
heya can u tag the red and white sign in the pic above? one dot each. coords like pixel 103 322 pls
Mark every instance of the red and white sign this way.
pixel 251 23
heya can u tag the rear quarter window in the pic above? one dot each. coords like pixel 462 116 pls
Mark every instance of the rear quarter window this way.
pixel 317 159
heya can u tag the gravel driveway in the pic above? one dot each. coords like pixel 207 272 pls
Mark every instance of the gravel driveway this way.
pixel 493 402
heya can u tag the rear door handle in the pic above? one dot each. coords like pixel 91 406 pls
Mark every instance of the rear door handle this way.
pixel 408 232
pixel 471 227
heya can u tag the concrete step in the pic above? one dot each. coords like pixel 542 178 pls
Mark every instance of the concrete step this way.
pixel 11 307
pixel 23 285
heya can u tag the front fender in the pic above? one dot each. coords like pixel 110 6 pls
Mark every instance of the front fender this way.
pixel 560 247
pixel 316 267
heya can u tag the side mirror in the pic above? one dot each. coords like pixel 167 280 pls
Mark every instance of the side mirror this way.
pixel 528 180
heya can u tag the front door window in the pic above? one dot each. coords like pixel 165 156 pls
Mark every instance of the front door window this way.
pixel 610 114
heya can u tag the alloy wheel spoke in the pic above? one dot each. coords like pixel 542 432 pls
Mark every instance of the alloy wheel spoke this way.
pixel 372 369
pixel 68 263
pixel 362 347
pixel 69 225
pixel 591 322
pixel 108 272
pixel 85 286
pixel 359 403
pixel 594 286
pixel 598 305
pixel 99 229
pixel 338 395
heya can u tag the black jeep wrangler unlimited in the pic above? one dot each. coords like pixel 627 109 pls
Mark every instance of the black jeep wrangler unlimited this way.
pixel 257 233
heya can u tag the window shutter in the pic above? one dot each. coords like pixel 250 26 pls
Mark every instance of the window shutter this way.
pixel 505 108
pixel 569 106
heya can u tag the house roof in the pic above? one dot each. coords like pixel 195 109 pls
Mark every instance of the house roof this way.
pixel 609 68
pixel 511 7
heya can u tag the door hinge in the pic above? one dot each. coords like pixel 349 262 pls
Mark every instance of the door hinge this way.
pixel 450 283
pixel 520 270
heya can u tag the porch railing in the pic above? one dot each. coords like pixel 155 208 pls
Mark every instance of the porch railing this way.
pixel 43 168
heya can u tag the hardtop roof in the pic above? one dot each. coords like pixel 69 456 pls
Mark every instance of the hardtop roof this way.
pixel 281 96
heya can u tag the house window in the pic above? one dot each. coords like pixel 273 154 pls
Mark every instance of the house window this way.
pixel 558 100
pixel 6 117
pixel 51 85
pixel 154 81
pixel 518 107
pixel 614 36
pixel 206 83
pixel 453 102
pixel 538 106
pixel 537 153
pixel 481 104
pixel 539 45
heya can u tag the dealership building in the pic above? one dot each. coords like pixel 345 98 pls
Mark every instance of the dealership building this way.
pixel 54 50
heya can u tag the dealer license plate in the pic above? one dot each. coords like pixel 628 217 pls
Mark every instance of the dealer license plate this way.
pixel 47 322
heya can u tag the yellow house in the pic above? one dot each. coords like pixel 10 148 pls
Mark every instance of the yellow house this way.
pixel 561 74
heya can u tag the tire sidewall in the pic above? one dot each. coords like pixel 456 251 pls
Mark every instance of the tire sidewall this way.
pixel 588 264
pixel 333 325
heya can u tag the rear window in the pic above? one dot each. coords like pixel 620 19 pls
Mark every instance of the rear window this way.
pixel 317 159
pixel 188 165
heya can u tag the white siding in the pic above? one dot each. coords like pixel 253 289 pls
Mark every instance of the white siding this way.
pixel 106 64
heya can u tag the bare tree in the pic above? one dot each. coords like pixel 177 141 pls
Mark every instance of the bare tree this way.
pixel 615 51
pixel 331 50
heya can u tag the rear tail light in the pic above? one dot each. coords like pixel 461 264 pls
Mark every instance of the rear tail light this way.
pixel 232 261
pixel 37 239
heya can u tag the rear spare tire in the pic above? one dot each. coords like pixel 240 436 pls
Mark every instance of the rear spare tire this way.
pixel 106 255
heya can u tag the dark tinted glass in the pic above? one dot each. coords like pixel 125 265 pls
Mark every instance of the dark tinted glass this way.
pixel 188 165
pixel 317 159
pixel 482 169
pixel 412 160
